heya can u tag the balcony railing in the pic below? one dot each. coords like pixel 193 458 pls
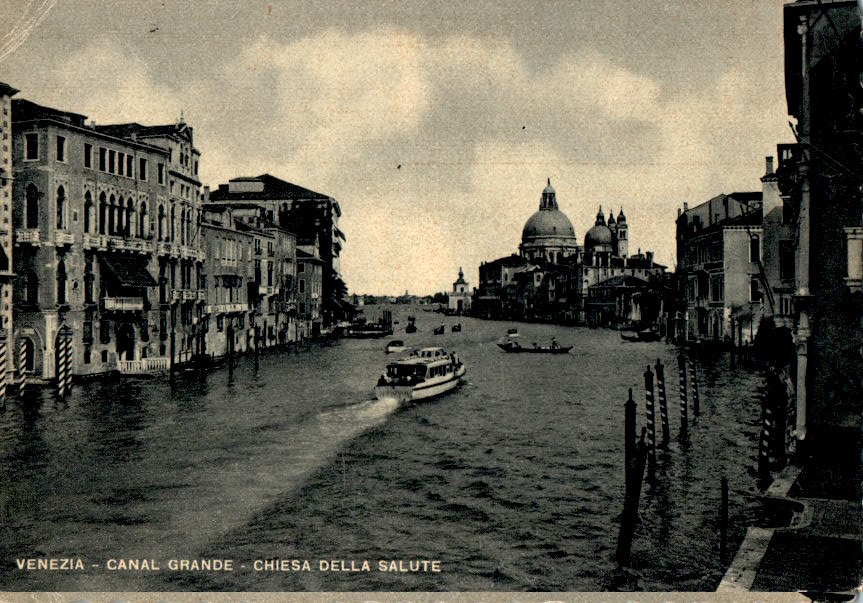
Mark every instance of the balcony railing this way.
pixel 93 241
pixel 100 241
pixel 144 365
pixel 63 238
pixel 226 308
pixel 123 304
pixel 189 295
pixel 29 236
pixel 130 244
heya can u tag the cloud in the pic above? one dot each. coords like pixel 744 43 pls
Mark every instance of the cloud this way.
pixel 437 148
pixel 110 84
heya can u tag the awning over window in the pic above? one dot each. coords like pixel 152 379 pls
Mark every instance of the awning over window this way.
pixel 129 271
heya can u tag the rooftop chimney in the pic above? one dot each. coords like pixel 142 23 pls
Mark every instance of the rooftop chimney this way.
pixel 685 206
pixel 769 168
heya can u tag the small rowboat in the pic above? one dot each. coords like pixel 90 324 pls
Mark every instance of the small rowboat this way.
pixel 396 346
pixel 440 330
pixel 456 328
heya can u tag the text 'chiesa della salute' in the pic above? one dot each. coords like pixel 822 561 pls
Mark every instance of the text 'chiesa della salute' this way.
pixel 554 278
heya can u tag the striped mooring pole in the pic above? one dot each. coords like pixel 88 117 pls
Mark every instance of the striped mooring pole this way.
pixel 22 364
pixel 62 366
pixel 694 378
pixel 3 372
pixel 764 441
pixel 67 360
pixel 651 420
pixel 684 398
pixel 663 402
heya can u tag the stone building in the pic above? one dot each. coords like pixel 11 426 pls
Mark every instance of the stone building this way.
pixel 718 257
pixel 493 297
pixel 459 299
pixel 272 288
pixel 305 213
pixel 310 282
pixel 8 353
pixel 228 270
pixel 176 223
pixel 822 184
pixel 93 216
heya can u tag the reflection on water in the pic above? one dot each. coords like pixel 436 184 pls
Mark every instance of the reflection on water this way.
pixel 514 481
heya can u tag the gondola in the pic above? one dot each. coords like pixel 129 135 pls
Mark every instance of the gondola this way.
pixel 456 328
pixel 511 347
pixel 440 330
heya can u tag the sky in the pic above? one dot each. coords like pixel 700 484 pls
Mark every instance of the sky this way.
pixel 434 124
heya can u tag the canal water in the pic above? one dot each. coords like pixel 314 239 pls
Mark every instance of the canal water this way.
pixel 513 482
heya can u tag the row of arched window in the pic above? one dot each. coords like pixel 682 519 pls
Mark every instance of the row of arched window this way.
pixel 114 216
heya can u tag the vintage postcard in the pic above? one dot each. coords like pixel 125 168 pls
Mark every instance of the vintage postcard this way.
pixel 431 297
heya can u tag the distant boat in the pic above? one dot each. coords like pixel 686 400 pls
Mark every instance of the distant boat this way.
pixel 513 347
pixel 411 328
pixel 396 346
pixel 428 373
pixel 512 332
pixel 456 328
pixel 641 336
pixel 440 330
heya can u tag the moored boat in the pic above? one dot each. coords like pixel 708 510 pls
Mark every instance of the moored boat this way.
pixel 440 330
pixel 646 335
pixel 396 346
pixel 425 374
pixel 456 328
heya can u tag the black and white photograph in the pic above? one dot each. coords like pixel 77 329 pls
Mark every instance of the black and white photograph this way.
pixel 431 297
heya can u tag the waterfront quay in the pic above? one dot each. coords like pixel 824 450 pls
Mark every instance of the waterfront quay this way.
pixel 513 482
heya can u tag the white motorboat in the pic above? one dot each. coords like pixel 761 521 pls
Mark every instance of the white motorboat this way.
pixel 396 346
pixel 426 373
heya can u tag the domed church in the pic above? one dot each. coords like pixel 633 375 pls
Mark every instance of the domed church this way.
pixel 606 240
pixel 548 234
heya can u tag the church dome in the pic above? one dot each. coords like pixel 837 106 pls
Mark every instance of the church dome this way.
pixel 600 234
pixel 547 223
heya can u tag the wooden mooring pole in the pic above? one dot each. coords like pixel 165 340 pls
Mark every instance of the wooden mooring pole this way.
pixel 663 402
pixel 723 519
pixel 257 347
pixel 635 457
pixel 230 341
pixel 629 435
